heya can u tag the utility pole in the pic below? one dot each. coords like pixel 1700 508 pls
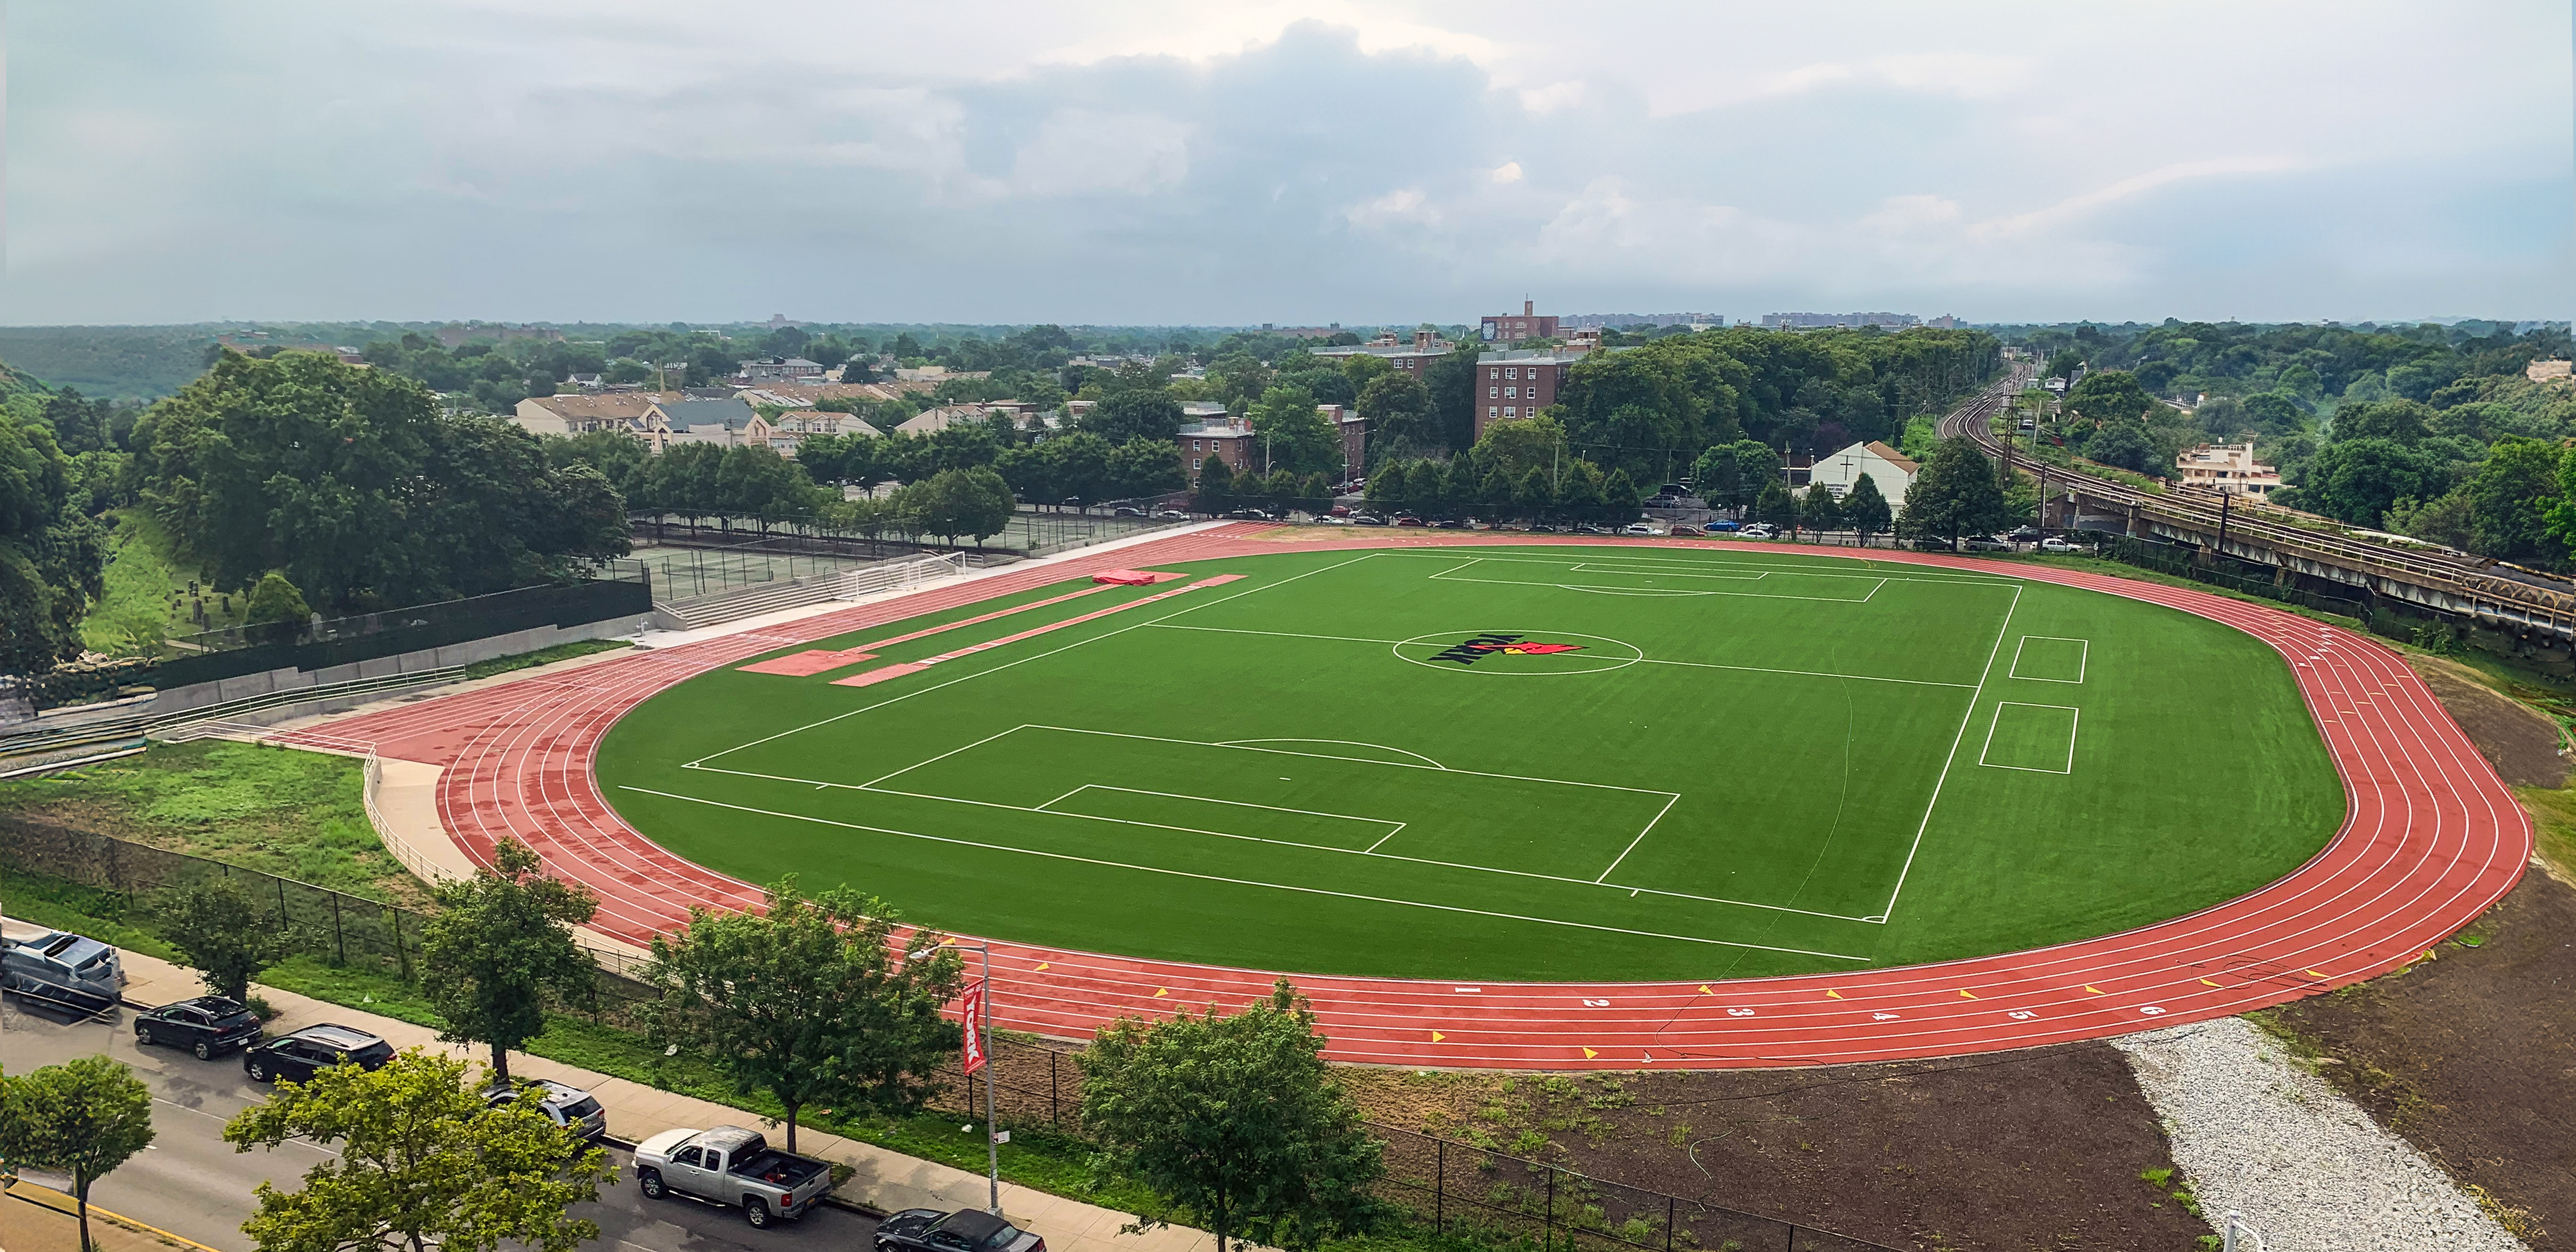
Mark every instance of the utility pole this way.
pixel 984 1026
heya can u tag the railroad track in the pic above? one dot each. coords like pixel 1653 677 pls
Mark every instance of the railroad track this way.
pixel 2481 587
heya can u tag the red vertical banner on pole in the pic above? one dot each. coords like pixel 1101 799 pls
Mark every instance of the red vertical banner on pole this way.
pixel 971 1011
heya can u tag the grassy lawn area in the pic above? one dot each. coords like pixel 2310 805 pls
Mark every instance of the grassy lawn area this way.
pixel 299 815
pixel 148 596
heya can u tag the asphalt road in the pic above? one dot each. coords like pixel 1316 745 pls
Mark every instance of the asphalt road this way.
pixel 191 1183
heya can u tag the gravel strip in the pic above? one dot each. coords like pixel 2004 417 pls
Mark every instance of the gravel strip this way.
pixel 2255 1132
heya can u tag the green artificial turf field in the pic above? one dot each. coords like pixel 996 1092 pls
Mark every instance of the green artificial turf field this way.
pixel 1502 763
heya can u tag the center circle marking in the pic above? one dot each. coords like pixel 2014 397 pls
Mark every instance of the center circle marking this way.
pixel 1599 652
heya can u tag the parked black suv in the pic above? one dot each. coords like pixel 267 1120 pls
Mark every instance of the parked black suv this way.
pixel 298 1056
pixel 206 1025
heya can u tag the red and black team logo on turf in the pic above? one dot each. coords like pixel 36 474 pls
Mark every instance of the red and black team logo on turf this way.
pixel 1471 650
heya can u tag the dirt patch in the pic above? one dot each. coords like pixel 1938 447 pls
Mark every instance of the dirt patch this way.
pixel 2041 1149
pixel 2472 1056
pixel 2522 745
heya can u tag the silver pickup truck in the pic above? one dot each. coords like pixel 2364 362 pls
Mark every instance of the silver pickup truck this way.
pixel 731 1165
pixel 56 964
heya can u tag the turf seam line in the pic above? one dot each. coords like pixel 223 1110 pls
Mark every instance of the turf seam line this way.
pixel 1246 882
pixel 1750 669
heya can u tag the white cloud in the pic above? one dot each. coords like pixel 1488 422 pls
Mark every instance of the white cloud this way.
pixel 1507 172
pixel 1081 151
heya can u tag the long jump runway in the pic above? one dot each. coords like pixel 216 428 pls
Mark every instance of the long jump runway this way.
pixel 2430 840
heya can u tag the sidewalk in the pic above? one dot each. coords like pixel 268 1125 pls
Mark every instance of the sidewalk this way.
pixel 884 1180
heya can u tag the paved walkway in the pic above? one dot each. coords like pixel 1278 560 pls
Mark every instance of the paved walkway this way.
pixel 884 1180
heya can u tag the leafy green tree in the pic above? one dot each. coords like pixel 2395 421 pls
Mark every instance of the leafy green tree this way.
pixel 1294 434
pixel 1619 495
pixel 1578 492
pixel 357 486
pixel 1451 380
pixel 52 556
pixel 1494 495
pixel 1389 488
pixel 1146 467
pixel 1730 475
pixel 1216 488
pixel 1137 408
pixel 1517 445
pixel 500 946
pixel 1402 426
pixel 276 610
pixel 2510 494
pixel 2123 444
pixel 810 1001
pixel 83 1117
pixel 1819 511
pixel 1236 1120
pixel 2062 363
pixel 418 1163
pixel 2106 397
pixel 971 502
pixel 2450 520
pixel 1865 509
pixel 2359 480
pixel 1776 507
pixel 1954 494
pixel 2402 421
pixel 221 933
pixel 1533 496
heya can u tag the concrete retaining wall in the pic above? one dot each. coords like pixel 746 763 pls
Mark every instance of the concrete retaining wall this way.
pixel 201 695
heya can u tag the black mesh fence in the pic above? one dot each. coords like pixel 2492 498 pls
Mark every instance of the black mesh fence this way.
pixel 2178 561
pixel 1456 1187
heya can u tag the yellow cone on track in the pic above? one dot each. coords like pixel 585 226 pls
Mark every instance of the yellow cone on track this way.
pixel 1588 1054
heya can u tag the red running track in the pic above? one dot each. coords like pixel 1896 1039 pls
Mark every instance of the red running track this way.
pixel 2432 838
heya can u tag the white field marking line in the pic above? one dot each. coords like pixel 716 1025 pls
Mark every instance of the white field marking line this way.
pixel 1967 580
pixel 2083 657
pixel 1641 837
pixel 1445 576
pixel 1242 746
pixel 1246 882
pixel 1955 739
pixel 1356 743
pixel 1283 634
pixel 1624 591
pixel 1194 606
pixel 1647 571
pixel 1750 669
pixel 1240 804
pixel 1809 673
pixel 2071 725
pixel 941 757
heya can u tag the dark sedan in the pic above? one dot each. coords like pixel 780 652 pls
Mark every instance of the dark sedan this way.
pixel 966 1230
pixel 300 1055
pixel 206 1025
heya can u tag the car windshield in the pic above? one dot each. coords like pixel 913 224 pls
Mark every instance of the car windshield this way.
pixel 582 1107
pixel 377 1051
pixel 227 1021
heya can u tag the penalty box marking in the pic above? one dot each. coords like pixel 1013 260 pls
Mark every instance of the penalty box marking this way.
pixel 2074 718
pixel 1392 826
pixel 1670 799
pixel 2083 657
pixel 1243 882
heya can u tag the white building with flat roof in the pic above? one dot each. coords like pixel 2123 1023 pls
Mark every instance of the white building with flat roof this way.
pixel 2227 468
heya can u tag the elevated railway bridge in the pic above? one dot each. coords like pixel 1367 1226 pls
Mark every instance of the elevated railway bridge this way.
pixel 2300 550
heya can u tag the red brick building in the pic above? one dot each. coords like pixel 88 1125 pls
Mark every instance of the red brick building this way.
pixel 1510 328
pixel 1518 384
pixel 1426 348
pixel 1224 438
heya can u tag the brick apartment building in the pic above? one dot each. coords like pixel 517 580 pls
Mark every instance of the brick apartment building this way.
pixel 1413 359
pixel 1223 438
pixel 1519 384
pixel 1508 328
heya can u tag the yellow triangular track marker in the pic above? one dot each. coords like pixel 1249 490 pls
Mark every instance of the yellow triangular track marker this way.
pixel 1042 966
pixel 1703 990
pixel 2311 973
pixel 1588 1054
pixel 1436 1036
pixel 1966 994
pixel 2095 990
pixel 1832 994
pixel 1160 992
pixel 2428 954
pixel 2206 983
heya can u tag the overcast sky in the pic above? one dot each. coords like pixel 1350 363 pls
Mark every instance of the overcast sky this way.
pixel 1245 162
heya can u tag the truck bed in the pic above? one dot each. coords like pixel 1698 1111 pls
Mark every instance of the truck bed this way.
pixel 778 1169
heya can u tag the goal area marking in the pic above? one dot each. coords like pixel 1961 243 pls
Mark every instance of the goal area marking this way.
pixel 2041 720
pixel 2040 659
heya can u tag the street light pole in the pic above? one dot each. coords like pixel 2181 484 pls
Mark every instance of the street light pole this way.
pixel 984 1011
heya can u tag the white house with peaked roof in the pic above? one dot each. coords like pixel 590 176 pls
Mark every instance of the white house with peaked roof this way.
pixel 1883 465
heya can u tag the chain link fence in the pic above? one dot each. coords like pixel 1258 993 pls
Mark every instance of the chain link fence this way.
pixel 2169 559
